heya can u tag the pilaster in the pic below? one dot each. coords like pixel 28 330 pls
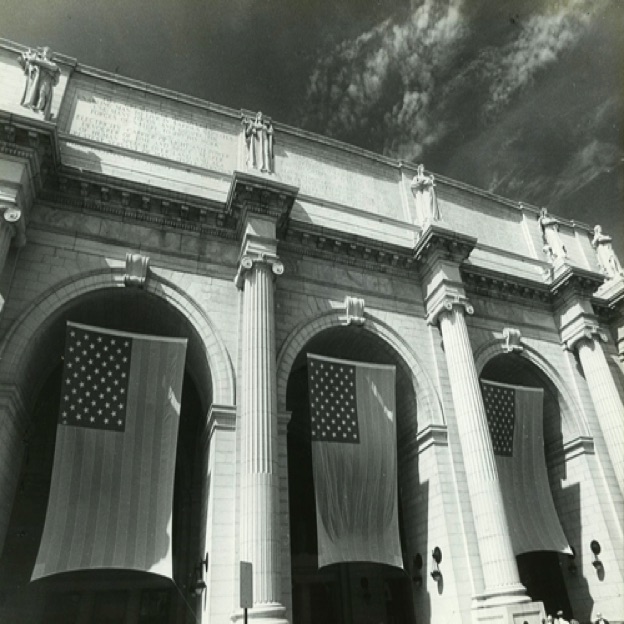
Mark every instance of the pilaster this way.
pixel 581 332
pixel 439 254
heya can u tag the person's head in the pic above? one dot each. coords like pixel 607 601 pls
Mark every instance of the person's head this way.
pixel 560 613
pixel 549 618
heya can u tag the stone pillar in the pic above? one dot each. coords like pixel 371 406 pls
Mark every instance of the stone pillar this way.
pixel 500 572
pixel 580 330
pixel 605 397
pixel 260 536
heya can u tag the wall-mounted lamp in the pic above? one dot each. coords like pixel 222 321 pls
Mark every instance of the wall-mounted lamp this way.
pixel 417 564
pixel 199 584
pixel 436 555
pixel 366 595
pixel 571 561
pixel 595 548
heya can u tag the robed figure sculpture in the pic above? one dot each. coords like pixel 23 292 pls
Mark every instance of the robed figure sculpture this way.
pixel 41 76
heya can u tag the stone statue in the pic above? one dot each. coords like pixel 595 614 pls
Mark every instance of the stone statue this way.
pixel 423 188
pixel 553 246
pixel 607 259
pixel 41 76
pixel 259 140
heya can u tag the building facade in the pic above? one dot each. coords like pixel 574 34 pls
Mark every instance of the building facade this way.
pixel 135 208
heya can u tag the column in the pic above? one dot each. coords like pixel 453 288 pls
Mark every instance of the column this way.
pixel 605 398
pixel 502 582
pixel 260 539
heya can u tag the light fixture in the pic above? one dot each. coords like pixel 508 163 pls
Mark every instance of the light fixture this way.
pixel 199 584
pixel 595 548
pixel 417 565
pixel 436 555
pixel 571 561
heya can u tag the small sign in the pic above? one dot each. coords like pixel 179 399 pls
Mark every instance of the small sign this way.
pixel 246 585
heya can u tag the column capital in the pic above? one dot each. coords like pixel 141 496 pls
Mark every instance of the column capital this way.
pixel 13 213
pixel 440 243
pixel 445 304
pixel 249 260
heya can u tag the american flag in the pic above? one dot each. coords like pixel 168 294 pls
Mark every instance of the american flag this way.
pixel 499 408
pixel 111 491
pixel 332 401
pixel 95 380
pixel 514 415
pixel 353 432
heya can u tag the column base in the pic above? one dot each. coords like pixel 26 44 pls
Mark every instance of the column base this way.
pixel 268 613
pixel 509 595
pixel 520 613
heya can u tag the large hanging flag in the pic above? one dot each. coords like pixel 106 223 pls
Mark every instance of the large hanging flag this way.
pixel 353 430
pixel 515 416
pixel 111 493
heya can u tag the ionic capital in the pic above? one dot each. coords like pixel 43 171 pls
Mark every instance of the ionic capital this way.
pixel 248 261
pixel 446 305
pixel 12 214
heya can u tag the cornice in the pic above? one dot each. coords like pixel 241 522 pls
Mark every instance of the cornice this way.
pixel 480 281
pixel 437 241
pixel 260 195
pixel 302 239
pixel 576 281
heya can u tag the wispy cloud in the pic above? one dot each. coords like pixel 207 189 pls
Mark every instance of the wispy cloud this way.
pixel 405 83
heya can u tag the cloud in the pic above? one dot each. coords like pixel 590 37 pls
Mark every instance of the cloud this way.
pixel 407 83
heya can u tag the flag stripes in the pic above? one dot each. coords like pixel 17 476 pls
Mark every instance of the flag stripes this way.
pixel 531 515
pixel 111 494
pixel 355 471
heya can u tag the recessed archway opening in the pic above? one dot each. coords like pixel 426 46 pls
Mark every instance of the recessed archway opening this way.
pixel 354 592
pixel 104 596
pixel 542 572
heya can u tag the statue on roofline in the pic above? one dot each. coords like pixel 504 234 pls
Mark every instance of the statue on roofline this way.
pixel 41 76
pixel 259 142
pixel 553 245
pixel 423 189
pixel 608 261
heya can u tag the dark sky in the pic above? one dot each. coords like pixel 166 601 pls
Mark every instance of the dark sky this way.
pixel 524 98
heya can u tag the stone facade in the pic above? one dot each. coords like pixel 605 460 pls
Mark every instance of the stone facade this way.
pixel 137 208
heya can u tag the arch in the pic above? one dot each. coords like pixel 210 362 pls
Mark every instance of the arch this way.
pixel 305 331
pixel 18 344
pixel 572 409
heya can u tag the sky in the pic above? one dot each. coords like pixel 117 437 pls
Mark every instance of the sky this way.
pixel 523 98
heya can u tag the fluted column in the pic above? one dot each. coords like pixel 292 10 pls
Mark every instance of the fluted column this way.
pixel 502 582
pixel 259 519
pixel 605 398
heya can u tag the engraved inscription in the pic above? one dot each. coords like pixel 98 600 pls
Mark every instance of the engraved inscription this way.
pixel 146 130
pixel 344 183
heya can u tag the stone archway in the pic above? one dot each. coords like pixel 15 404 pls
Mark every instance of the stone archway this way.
pixel 545 573
pixel 354 591
pixel 32 358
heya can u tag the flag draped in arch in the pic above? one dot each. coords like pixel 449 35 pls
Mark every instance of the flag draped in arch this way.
pixel 515 419
pixel 111 493
pixel 353 431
